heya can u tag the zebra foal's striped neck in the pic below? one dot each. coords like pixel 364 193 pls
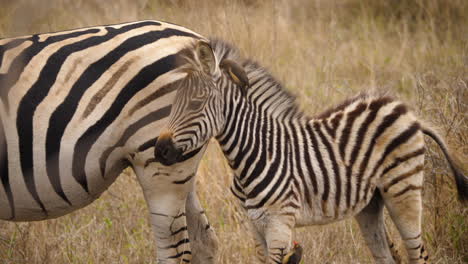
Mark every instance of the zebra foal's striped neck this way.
pixel 261 140
pixel 259 129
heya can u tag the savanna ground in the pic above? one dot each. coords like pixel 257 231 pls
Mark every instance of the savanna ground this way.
pixel 323 51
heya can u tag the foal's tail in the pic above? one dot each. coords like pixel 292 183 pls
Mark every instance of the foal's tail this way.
pixel 460 179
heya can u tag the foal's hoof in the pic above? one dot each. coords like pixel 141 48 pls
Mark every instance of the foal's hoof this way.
pixel 294 256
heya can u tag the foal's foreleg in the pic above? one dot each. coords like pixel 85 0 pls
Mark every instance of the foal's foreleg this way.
pixel 277 232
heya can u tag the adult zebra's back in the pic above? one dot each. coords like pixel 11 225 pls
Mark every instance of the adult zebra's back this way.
pixel 79 106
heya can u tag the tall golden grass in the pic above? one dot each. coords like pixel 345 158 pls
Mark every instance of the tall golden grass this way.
pixel 323 51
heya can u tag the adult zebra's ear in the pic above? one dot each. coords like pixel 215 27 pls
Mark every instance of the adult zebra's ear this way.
pixel 206 57
pixel 236 73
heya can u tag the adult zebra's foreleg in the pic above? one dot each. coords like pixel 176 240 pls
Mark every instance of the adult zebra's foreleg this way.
pixel 165 194
pixel 167 215
pixel 173 242
pixel 166 190
pixel 203 239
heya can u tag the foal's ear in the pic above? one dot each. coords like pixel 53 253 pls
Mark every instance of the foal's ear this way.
pixel 236 73
pixel 206 57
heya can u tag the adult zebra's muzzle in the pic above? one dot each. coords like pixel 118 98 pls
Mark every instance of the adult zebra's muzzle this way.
pixel 165 150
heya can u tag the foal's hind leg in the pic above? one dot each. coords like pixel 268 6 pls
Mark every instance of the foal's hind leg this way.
pixel 403 199
pixel 371 222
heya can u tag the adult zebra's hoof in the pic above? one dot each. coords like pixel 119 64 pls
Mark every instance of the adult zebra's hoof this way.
pixel 294 256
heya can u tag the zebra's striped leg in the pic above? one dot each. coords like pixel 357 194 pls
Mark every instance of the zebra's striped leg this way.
pixel 393 249
pixel 403 200
pixel 278 236
pixel 203 239
pixel 166 190
pixel 170 228
pixel 371 222
pixel 261 250
pixel 166 204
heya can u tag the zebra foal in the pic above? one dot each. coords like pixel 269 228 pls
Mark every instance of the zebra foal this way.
pixel 293 170
pixel 77 107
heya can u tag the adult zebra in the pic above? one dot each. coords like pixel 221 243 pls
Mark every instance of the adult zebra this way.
pixel 79 106
pixel 292 170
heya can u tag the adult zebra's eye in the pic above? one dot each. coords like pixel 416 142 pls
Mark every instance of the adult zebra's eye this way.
pixel 194 105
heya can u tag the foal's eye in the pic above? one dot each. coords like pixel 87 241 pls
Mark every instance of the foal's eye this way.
pixel 194 105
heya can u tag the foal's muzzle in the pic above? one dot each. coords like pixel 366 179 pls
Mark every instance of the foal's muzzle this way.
pixel 166 152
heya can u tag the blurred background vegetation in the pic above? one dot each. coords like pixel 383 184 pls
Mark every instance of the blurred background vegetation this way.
pixel 323 51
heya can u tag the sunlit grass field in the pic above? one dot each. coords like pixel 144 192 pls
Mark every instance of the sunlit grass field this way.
pixel 323 51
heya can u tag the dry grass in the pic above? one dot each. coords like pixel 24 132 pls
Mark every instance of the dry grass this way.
pixel 324 51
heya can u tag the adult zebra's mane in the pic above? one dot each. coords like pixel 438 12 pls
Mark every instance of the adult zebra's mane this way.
pixel 259 78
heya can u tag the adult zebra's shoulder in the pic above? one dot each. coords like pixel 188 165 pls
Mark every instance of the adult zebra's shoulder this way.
pixel 293 170
pixel 79 106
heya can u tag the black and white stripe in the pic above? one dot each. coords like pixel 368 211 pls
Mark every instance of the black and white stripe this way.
pixel 79 106
pixel 293 170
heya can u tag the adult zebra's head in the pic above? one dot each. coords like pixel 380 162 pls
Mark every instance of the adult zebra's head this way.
pixel 196 113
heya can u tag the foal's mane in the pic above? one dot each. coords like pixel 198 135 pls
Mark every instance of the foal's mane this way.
pixel 257 74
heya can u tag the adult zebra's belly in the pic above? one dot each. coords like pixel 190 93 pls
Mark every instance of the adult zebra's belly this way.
pixel 18 204
pixel 30 211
